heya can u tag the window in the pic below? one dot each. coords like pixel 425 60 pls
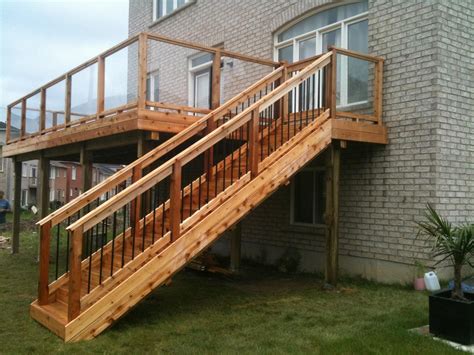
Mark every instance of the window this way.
pixel 73 173
pixel 33 172
pixel 200 80
pixel 25 170
pixel 70 192
pixel 152 93
pixel 24 197
pixel 308 197
pixel 343 26
pixel 165 7
pixel 52 173
pixel 2 164
pixel 51 195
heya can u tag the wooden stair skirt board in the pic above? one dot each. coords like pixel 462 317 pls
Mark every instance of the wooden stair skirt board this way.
pixel 274 172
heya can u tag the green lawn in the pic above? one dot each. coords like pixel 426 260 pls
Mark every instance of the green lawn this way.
pixel 262 312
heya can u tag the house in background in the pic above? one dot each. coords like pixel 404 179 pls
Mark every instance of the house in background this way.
pixel 309 133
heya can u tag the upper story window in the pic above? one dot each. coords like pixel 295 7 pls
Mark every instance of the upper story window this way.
pixel 344 26
pixel 165 7
pixel 73 173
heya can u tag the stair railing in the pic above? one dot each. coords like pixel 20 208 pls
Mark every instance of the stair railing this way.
pixel 260 115
pixel 51 226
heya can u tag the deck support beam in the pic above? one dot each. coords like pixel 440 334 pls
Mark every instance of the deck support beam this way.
pixel 16 207
pixel 333 163
pixel 235 248
pixel 43 186
pixel 86 159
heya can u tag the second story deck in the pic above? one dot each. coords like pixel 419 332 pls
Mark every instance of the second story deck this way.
pixel 158 85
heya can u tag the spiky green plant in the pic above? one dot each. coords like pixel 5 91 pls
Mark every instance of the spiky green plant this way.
pixel 452 243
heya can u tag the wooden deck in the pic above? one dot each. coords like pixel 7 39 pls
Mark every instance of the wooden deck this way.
pixel 130 233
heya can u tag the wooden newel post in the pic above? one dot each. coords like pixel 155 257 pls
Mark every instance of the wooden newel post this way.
pixel 9 125
pixel 378 85
pixel 45 240
pixel 175 201
pixel 333 85
pixel 75 274
pixel 67 101
pixel 100 85
pixel 253 143
pixel 42 123
pixel 23 118
pixel 142 70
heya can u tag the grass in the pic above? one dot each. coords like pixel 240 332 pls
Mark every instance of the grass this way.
pixel 263 312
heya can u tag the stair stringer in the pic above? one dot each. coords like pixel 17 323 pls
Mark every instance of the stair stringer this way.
pixel 121 299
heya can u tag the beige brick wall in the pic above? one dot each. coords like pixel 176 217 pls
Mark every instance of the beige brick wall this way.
pixel 428 100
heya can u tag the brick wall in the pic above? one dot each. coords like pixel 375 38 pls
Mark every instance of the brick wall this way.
pixel 428 100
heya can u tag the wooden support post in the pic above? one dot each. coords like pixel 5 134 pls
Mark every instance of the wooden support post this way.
pixel 42 123
pixel 42 198
pixel 67 100
pixel 23 118
pixel 43 188
pixel 378 85
pixel 100 85
pixel 16 208
pixel 333 86
pixel 142 69
pixel 43 282
pixel 8 133
pixel 175 201
pixel 333 162
pixel 253 143
pixel 216 81
pixel 86 167
pixel 75 274
pixel 235 248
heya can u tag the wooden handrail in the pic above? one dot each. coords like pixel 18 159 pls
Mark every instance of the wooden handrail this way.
pixel 358 55
pixel 131 192
pixel 87 197
pixel 208 49
pixel 168 106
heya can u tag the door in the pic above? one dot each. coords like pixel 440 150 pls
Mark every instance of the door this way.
pixel 202 88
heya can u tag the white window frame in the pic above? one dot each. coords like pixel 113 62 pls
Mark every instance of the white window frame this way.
pixel 313 169
pixel 318 33
pixel 192 75
pixel 25 170
pixel 163 8
pixel 2 164
pixel 73 173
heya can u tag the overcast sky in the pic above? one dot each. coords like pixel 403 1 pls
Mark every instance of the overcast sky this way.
pixel 42 39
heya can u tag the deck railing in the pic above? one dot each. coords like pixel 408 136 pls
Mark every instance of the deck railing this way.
pixel 53 106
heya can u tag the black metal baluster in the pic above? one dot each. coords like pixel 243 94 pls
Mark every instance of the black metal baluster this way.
pixel 154 213
pixel 313 82
pixel 163 215
pixel 224 148
pixel 240 150
pixel 114 234
pixel 57 250
pixel 104 228
pixel 191 197
pixel 123 233
pixel 182 203
pixel 90 260
pixel 143 216
pixel 67 245
pixel 199 192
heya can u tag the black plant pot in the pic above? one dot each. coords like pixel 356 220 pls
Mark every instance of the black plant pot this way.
pixel 452 319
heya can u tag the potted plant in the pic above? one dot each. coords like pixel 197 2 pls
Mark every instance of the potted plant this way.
pixel 419 282
pixel 451 312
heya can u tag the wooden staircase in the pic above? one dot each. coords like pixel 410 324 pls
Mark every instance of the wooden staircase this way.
pixel 130 234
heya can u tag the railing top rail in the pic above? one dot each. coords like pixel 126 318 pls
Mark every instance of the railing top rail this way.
pixel 163 171
pixel 358 55
pixel 90 195
pixel 135 38
pixel 204 48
